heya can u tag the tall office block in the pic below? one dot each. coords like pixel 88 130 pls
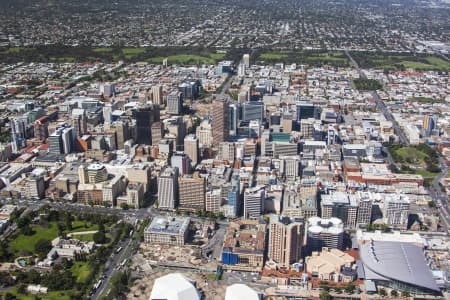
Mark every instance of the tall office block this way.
pixel 157 91
pixel 213 201
pixel 122 133
pixel 140 173
pixel 41 128
pixel 340 205
pixel 252 110
pixel 226 151
pixel 306 110
pixel 219 121
pixel 191 192
pixel 246 60
pixel 364 208
pixel 233 118
pixel 191 148
pixel 429 124
pixel 145 116
pixel 396 210
pixel 204 133
pixel 174 103
pixel 61 141
pixel 157 131
pixel 181 161
pixel 168 189
pixel 285 240
pixel 254 202
pixel 325 233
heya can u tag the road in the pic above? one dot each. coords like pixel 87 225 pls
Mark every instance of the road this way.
pixel 439 196
pixel 381 105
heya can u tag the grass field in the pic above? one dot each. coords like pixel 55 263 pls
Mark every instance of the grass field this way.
pixel 204 58
pixel 102 49
pixel 408 62
pixel 24 242
pixel 412 153
pixel 81 271
pixel 273 56
pixel 18 49
pixel 426 100
pixel 55 295
pixel 79 226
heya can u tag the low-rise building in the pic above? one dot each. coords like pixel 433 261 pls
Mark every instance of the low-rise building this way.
pixel 167 230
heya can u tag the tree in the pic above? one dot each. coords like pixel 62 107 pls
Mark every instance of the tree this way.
pixel 405 294
pixel 99 237
pixel 42 247
pixel 394 293
pixel 124 206
pixel 324 295
pixel 382 292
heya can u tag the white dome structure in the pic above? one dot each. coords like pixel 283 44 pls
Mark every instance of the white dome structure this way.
pixel 174 287
pixel 241 291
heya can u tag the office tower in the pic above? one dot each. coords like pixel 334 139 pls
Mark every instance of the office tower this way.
pixel 122 133
pixel 253 202
pixel 145 116
pixel 107 89
pixel 140 173
pixel 41 128
pixel 241 70
pixel 429 124
pixel 252 110
pixel 226 151
pixel 18 133
pixel 290 167
pixel 204 132
pixel 174 103
pixel 107 114
pixel 213 201
pixel 340 205
pixel 176 129
pixel 181 161
pixel 396 210
pixel 307 128
pixel 219 121
pixel 82 174
pixel 233 117
pixel 254 129
pixel 68 138
pixel 246 60
pixel 157 131
pixel 168 189
pixel 61 141
pixel 325 233
pixel 79 121
pixel 190 89
pixel 233 201
pixel 364 200
pixel 157 91
pixel 96 173
pixel 191 148
pixel 306 110
pixel 191 192
pixel 35 187
pixel 286 122
pixel 135 195
pixel 285 240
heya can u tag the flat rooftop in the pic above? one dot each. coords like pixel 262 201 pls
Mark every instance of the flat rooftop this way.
pixel 168 225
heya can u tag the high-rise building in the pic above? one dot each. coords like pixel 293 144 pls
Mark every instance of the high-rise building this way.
pixel 246 60
pixel 35 187
pixel 306 110
pixel 61 141
pixel 252 110
pixel 254 202
pixel 18 133
pixel 181 161
pixel 213 201
pixel 157 91
pixel 96 173
pixel 233 118
pixel 174 103
pixel 396 210
pixel 107 89
pixel 325 233
pixel 285 240
pixel 191 192
pixel 145 116
pixel 168 189
pixel 140 173
pixel 219 121
pixel 429 124
pixel 204 133
pixel 290 167
pixel 122 133
pixel 41 128
pixel 226 151
pixel 364 208
pixel 191 148
pixel 340 205
pixel 107 114
pixel 157 132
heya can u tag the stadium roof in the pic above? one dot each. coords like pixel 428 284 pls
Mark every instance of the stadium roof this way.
pixel 240 291
pixel 174 287
pixel 403 262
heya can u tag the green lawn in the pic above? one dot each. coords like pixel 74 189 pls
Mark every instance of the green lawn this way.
pixel 133 51
pixel 79 226
pixel 81 271
pixel 426 100
pixel 425 173
pixel 423 63
pixel 412 153
pixel 102 49
pixel 55 295
pixel 23 242
pixel 273 56
pixel 84 237
pixel 185 59
pixel 18 49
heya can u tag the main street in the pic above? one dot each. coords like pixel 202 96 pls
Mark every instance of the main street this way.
pixel 381 105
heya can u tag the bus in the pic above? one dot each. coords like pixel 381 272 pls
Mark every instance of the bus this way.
pixel 119 249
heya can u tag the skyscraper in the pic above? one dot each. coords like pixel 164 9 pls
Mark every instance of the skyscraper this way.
pixel 79 122
pixel 252 110
pixel 253 202
pixel 157 91
pixel 213 199
pixel 168 189
pixel 175 103
pixel 181 161
pixel 226 151
pixel 285 240
pixel 246 60
pixel 429 124
pixel 145 116
pixel 191 148
pixel 157 132
pixel 219 121
pixel 191 192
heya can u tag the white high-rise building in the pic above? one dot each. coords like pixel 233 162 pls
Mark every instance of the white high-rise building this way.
pixel 157 91
pixel 213 199
pixel 254 202
pixel 191 148
pixel 396 210
pixel 226 151
pixel 246 60
pixel 167 189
